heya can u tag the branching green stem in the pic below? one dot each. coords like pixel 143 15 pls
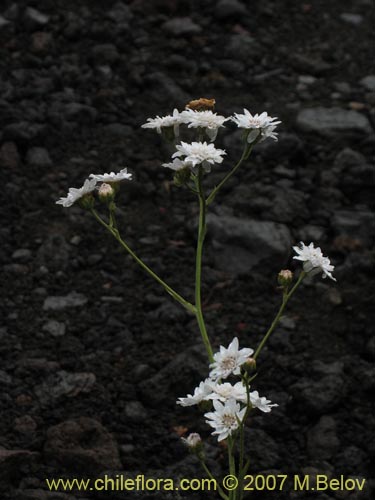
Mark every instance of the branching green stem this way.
pixel 286 296
pixel 245 155
pixel 115 233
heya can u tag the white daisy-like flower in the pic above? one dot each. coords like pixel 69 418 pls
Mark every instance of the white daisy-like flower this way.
pixel 193 440
pixel 199 153
pixel 313 260
pixel 112 176
pixel 208 120
pixel 223 392
pixel 261 403
pixel 74 194
pixel 199 395
pixel 178 164
pixel 225 418
pixel 161 122
pixel 260 126
pixel 229 360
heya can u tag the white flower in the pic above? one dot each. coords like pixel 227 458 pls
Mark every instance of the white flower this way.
pixel 208 120
pixel 199 395
pixel 229 360
pixel 75 194
pixel 160 122
pixel 177 164
pixel 261 403
pixel 313 260
pixel 225 418
pixel 223 392
pixel 113 177
pixel 199 153
pixel 260 126
pixel 193 440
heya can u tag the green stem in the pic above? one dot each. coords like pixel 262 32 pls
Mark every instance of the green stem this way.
pixel 245 155
pixel 241 468
pixel 209 474
pixel 286 297
pixel 198 265
pixel 115 233
pixel 232 465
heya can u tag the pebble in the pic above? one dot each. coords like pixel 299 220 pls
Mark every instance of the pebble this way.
pixel 229 9
pixel 34 19
pixel 55 328
pixel 332 121
pixel 354 19
pixel 241 244
pixel 368 82
pixel 38 157
pixel 181 26
pixel 22 255
pixel 135 411
pixel 322 440
pixel 60 303
pixel 82 445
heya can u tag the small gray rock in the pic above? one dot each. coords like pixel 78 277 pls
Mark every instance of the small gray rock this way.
pixel 64 384
pixel 5 379
pixel 34 19
pixel 134 410
pixel 82 445
pixel 229 9
pixel 177 378
pixel 241 244
pixel 333 121
pixel 5 25
pixel 322 440
pixel 181 26
pixel 357 225
pixel 59 303
pixel 22 255
pixel 355 19
pixel 319 396
pixel 55 328
pixel 38 157
pixel 368 82
pixel 81 113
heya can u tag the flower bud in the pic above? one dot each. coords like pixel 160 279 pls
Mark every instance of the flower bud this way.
pixel 285 277
pixel 87 201
pixel 193 442
pixel 250 366
pixel 106 193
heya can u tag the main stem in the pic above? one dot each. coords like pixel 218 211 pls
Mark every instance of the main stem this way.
pixel 286 297
pixel 144 266
pixel 198 265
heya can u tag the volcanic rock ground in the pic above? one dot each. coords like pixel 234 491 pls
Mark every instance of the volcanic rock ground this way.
pixel 93 353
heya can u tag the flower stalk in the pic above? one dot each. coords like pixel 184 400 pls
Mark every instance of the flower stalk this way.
pixel 115 233
pixel 286 296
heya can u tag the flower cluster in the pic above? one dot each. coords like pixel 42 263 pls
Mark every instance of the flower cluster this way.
pixel 313 260
pixel 259 127
pixel 230 401
pixel 105 189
